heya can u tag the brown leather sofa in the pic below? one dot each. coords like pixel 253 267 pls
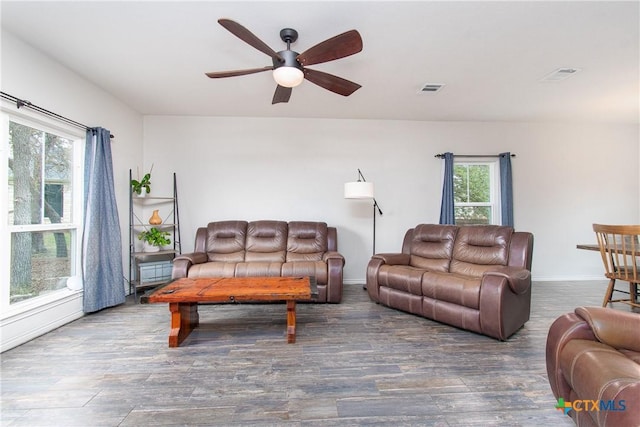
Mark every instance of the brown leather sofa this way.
pixel 473 277
pixel 267 248
pixel 593 364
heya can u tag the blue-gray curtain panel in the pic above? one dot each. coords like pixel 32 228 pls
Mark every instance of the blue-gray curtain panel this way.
pixel 101 239
pixel 506 189
pixel 447 213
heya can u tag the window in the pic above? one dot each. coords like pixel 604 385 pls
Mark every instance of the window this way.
pixel 41 226
pixel 476 193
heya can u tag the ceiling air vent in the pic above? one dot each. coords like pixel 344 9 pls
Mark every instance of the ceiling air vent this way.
pixel 560 74
pixel 431 88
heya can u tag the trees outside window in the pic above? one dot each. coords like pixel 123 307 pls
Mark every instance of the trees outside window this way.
pixel 42 217
pixel 475 189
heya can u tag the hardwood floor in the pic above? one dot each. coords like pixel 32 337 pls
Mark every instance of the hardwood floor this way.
pixel 354 363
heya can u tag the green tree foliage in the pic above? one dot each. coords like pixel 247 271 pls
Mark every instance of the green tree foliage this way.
pixel 29 150
pixel 471 184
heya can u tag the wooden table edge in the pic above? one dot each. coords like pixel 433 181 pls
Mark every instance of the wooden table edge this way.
pixel 185 317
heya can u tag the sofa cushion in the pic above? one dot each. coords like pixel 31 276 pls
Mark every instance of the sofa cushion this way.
pixel 453 288
pixel 317 269
pixel 432 246
pixel 258 268
pixel 226 240
pixel 632 355
pixel 452 314
pixel 212 269
pixel 401 300
pixel 478 248
pixel 402 278
pixel 307 241
pixel 266 241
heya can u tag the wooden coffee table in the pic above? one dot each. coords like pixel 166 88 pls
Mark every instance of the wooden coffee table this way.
pixel 184 295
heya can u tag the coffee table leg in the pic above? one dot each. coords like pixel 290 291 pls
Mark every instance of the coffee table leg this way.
pixel 291 321
pixel 184 318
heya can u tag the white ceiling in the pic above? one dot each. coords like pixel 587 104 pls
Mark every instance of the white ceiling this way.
pixel 152 55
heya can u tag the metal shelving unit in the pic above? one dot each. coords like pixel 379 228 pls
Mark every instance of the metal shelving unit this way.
pixel 140 206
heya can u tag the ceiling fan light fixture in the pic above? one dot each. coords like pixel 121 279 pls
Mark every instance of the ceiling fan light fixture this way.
pixel 289 66
pixel 288 76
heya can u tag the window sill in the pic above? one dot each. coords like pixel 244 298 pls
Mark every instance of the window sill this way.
pixel 42 302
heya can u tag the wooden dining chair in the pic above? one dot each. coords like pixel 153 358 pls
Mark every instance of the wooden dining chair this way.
pixel 620 249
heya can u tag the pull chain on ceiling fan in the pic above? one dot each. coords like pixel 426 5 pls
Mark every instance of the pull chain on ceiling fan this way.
pixel 289 67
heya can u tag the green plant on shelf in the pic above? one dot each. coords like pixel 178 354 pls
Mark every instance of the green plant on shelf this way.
pixel 155 237
pixel 144 183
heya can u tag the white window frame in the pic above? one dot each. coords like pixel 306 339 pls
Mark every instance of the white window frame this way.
pixel 74 285
pixel 494 188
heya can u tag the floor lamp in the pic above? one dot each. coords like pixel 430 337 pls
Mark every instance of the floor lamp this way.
pixel 361 189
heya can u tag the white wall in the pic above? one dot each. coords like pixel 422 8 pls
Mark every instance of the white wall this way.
pixel 31 75
pixel 294 169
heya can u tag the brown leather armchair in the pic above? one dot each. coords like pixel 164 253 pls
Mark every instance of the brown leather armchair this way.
pixel 593 364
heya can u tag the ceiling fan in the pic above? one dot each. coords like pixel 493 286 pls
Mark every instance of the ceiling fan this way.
pixel 290 68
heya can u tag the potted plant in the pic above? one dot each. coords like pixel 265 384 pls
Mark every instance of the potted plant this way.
pixel 138 186
pixel 154 239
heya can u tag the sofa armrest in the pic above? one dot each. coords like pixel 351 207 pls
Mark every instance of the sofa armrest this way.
pixel 182 263
pixel 193 257
pixel 335 263
pixel 393 258
pixel 564 329
pixel 373 267
pixel 333 255
pixel 519 279
pixel 618 329
pixel 569 354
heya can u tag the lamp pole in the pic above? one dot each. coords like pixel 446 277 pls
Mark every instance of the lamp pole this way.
pixel 360 190
pixel 376 207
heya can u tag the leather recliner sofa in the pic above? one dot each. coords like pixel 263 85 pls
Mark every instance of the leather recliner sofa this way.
pixel 593 364
pixel 267 248
pixel 473 277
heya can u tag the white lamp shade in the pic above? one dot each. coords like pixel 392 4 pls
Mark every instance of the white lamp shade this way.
pixel 288 76
pixel 358 190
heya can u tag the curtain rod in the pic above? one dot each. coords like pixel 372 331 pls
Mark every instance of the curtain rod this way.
pixel 23 103
pixel 472 155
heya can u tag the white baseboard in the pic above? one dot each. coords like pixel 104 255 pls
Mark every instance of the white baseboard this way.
pixel 23 326
pixel 567 278
pixel 354 281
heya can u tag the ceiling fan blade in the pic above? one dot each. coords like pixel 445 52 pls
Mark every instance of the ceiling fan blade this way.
pixel 220 74
pixel 248 37
pixel 282 94
pixel 337 47
pixel 330 82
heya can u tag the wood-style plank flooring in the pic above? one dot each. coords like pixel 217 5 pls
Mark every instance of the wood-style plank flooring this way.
pixel 354 363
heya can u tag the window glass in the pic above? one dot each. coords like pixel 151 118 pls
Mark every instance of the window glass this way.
pixel 41 201
pixel 40 263
pixel 40 176
pixel 474 193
